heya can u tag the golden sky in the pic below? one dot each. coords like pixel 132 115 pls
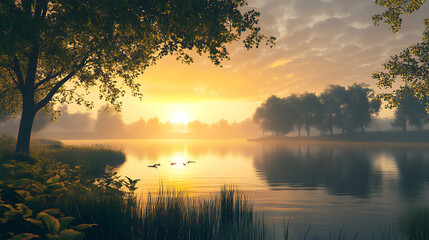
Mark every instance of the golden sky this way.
pixel 319 42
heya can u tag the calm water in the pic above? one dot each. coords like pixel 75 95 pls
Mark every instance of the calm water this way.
pixel 363 187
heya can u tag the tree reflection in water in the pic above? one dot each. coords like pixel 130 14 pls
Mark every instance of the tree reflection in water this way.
pixel 341 171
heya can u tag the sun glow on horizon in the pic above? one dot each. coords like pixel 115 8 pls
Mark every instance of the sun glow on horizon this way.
pixel 180 117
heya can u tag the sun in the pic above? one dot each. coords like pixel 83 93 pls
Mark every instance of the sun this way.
pixel 179 117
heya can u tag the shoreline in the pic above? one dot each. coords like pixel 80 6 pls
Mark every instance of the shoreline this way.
pixel 382 137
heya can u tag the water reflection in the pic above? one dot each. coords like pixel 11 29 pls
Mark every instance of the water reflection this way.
pixel 341 170
pixel 360 186
pixel 413 171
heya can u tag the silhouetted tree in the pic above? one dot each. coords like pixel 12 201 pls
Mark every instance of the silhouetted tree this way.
pixel 276 115
pixel 311 110
pixel 259 118
pixel 333 100
pixel 73 121
pixel 410 111
pixel 109 123
pixel 46 44
pixel 360 107
pixel 295 112
pixel 138 128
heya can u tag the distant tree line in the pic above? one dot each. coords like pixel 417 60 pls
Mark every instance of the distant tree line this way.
pixel 336 107
pixel 110 124
pixel 410 110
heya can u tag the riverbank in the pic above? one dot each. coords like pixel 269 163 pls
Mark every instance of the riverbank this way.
pixel 53 194
pixel 418 136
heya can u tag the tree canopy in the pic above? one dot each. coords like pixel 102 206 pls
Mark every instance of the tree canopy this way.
pixel 411 65
pixel 410 112
pixel 336 107
pixel 56 50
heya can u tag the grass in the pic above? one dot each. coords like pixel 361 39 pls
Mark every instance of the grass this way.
pixel 93 160
pixel 170 214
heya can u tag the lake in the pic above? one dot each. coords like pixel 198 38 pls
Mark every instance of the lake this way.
pixel 360 187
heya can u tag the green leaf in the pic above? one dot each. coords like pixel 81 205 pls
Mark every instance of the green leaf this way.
pixel 53 212
pixel 52 223
pixel 65 222
pixel 24 210
pixel 53 180
pixel 70 234
pixel 85 226
pixel 34 221
pixel 52 236
pixel 22 193
pixel 24 236
pixel 21 182
pixel 38 186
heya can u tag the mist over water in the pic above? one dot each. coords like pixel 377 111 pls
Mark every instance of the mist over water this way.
pixel 363 187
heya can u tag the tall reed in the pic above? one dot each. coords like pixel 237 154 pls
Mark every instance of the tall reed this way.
pixel 170 214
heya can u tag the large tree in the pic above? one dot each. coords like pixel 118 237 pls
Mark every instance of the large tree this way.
pixel 361 107
pixel 334 104
pixel 311 109
pixel 57 50
pixel 275 115
pixel 410 112
pixel 411 65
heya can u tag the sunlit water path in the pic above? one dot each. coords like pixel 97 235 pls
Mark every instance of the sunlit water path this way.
pixel 363 187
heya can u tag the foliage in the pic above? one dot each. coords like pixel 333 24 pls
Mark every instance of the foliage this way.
pixel 411 65
pixel 24 187
pixel 396 8
pixel 311 110
pixel 35 192
pixel 359 106
pixel 32 190
pixel 416 224
pixel 169 214
pixel 332 99
pixel 46 44
pixel 411 111
pixel 93 160
pixel 346 109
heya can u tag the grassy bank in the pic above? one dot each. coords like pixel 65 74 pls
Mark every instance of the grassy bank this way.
pixel 42 197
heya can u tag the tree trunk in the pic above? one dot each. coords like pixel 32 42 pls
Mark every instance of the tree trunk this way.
pixel 299 132
pixel 308 131
pixel 24 134
pixel 404 127
pixel 330 130
pixel 361 127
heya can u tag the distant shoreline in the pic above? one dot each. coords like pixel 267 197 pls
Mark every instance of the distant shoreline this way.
pixel 418 136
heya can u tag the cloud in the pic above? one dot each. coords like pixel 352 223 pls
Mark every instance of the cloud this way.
pixel 319 42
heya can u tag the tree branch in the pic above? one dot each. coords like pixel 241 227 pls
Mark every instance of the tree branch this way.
pixel 7 90
pixel 13 78
pixel 17 69
pixel 59 84
pixel 47 78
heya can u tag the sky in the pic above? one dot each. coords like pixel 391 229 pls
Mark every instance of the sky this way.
pixel 319 42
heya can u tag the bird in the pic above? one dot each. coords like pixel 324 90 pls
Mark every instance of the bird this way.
pixel 173 163
pixel 154 166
